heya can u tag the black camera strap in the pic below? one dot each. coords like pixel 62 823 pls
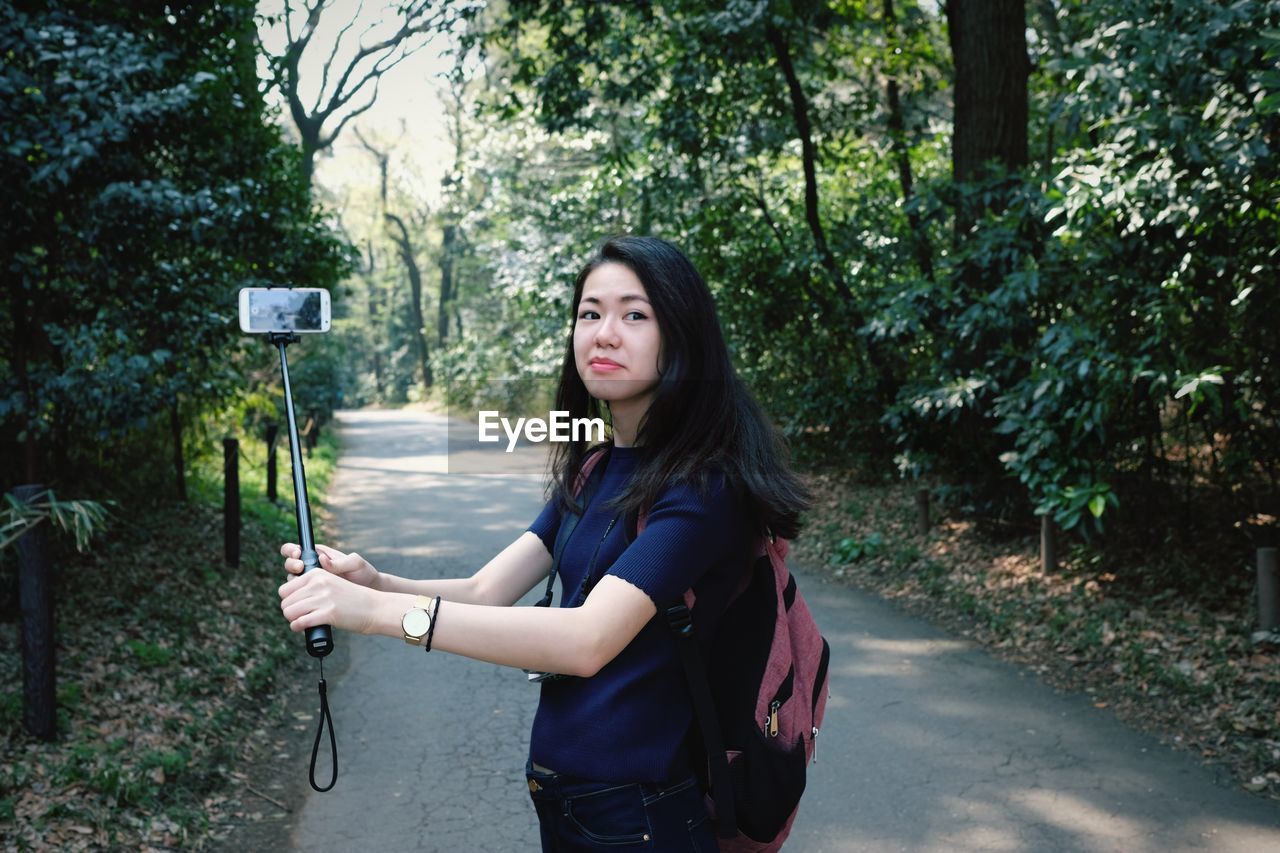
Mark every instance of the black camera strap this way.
pixel 567 524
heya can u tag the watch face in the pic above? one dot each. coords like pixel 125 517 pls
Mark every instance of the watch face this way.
pixel 416 622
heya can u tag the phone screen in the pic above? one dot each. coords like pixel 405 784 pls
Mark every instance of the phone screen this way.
pixel 284 310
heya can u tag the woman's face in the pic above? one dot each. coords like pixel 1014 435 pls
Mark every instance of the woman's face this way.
pixel 616 342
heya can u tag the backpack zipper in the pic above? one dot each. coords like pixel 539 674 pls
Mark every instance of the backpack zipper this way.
pixel 784 693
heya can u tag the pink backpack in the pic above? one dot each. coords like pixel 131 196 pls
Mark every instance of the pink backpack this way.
pixel 759 692
pixel 760 695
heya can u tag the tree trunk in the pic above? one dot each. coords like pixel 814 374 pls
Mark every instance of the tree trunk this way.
pixel 988 45
pixel 374 295
pixel 446 283
pixel 989 48
pixel 19 352
pixel 809 156
pixel 309 137
pixel 405 246
pixel 901 153
pixel 179 467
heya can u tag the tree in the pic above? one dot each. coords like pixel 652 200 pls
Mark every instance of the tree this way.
pixel 1090 334
pixel 353 68
pixel 402 238
pixel 145 188
pixel 989 47
pixel 898 139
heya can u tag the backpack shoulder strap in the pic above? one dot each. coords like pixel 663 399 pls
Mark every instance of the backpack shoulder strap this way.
pixel 680 621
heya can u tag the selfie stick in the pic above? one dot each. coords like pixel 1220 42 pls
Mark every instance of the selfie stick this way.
pixel 319 638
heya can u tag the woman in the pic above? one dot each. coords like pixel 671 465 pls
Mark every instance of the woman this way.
pixel 610 761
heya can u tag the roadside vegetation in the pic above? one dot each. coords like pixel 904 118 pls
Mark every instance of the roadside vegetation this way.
pixel 171 668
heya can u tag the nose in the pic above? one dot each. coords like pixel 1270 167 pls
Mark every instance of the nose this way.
pixel 607 333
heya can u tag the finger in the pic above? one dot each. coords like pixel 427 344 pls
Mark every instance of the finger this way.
pixel 303 611
pixel 294 608
pixel 292 585
pixel 310 620
pixel 290 549
pixel 326 551
pixel 293 567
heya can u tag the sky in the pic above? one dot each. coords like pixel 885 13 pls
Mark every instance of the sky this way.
pixel 409 111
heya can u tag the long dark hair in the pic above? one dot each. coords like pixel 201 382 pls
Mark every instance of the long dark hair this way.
pixel 702 417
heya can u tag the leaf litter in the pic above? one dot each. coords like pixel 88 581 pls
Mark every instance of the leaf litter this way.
pixel 1180 663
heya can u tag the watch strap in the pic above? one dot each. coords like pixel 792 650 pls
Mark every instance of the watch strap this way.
pixel 423 603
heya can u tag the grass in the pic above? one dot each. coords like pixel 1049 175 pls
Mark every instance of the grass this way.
pixel 186 661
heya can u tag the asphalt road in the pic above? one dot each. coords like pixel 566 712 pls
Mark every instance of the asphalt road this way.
pixel 928 744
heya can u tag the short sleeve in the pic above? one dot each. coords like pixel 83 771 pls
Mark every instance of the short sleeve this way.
pixel 547 525
pixel 685 534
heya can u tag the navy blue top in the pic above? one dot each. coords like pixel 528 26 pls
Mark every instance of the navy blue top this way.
pixel 629 721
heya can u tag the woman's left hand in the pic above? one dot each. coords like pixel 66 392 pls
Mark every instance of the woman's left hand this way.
pixel 322 598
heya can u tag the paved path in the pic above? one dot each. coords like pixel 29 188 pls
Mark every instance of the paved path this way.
pixel 929 744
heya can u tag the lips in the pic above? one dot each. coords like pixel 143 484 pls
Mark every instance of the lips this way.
pixel 604 364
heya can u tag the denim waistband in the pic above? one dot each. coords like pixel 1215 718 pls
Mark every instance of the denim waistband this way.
pixel 543 782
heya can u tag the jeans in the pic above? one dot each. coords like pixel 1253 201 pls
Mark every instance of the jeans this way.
pixel 580 815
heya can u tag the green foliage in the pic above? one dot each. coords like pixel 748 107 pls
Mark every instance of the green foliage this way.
pixel 1094 347
pixel 82 519
pixel 1114 329
pixel 717 173
pixel 149 655
pixel 851 549
pixel 177 719
pixel 145 188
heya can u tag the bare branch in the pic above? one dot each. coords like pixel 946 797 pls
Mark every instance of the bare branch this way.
pixel 337 43
pixel 345 80
pixel 340 99
pixel 326 141
pixel 390 45
pixel 384 162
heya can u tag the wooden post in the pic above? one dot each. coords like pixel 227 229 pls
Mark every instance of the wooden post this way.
pixel 1268 590
pixel 231 501
pixel 922 511
pixel 1048 545
pixel 273 432
pixel 179 467
pixel 35 598
pixel 313 433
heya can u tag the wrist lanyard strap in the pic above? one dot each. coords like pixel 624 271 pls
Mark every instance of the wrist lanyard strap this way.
pixel 325 717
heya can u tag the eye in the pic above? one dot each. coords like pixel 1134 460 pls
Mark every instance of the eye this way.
pixel 588 315
pixel 636 315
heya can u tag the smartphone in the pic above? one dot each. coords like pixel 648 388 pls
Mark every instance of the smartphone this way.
pixel 284 309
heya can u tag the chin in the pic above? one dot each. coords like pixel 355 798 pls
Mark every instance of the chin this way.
pixel 606 391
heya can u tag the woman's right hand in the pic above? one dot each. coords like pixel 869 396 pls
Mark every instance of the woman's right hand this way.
pixel 352 566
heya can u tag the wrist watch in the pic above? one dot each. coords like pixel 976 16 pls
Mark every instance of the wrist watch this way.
pixel 416 622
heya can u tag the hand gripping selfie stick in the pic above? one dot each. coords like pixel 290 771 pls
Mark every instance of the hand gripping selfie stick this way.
pixel 320 638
